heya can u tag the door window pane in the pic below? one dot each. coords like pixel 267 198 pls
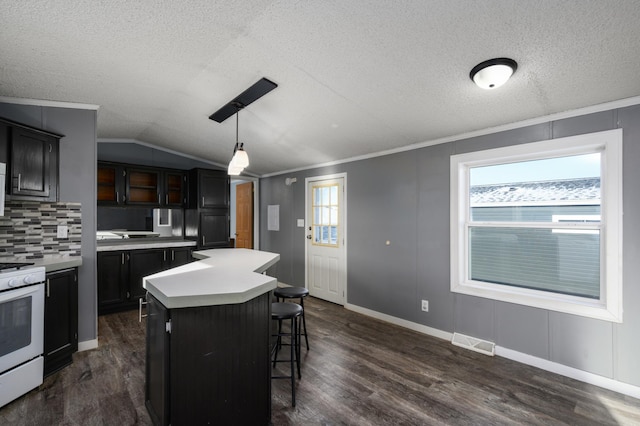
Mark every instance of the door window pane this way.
pixel 325 215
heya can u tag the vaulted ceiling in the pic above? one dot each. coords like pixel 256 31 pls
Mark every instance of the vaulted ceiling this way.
pixel 354 77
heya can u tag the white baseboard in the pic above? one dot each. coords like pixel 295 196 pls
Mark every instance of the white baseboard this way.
pixel 563 370
pixel 402 323
pixel 87 345
pixel 574 373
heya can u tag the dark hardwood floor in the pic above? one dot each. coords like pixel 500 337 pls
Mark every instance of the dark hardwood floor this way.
pixel 359 371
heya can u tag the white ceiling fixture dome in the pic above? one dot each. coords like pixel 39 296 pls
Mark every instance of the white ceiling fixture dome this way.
pixel 493 73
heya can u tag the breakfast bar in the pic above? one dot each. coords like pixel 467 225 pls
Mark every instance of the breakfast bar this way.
pixel 208 332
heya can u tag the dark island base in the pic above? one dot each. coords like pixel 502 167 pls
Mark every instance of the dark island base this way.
pixel 213 368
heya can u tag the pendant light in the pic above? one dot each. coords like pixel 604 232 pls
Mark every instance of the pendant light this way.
pixel 240 158
pixel 493 73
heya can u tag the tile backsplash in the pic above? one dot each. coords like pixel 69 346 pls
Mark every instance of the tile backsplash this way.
pixel 28 230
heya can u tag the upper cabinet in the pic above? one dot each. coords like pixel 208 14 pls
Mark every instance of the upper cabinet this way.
pixel 143 186
pixel 208 189
pixel 123 184
pixel 207 218
pixel 32 161
pixel 175 188
pixel 110 184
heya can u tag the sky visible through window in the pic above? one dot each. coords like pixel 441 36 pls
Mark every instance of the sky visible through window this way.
pixel 573 167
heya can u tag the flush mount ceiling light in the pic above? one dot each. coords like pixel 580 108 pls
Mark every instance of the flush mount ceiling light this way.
pixel 240 159
pixel 493 73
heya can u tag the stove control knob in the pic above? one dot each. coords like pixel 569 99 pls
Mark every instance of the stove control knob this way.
pixel 14 282
pixel 30 279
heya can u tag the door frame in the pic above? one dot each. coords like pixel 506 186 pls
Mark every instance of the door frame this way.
pixel 256 207
pixel 307 220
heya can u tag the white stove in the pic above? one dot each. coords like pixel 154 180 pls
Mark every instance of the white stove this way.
pixel 21 329
pixel 13 275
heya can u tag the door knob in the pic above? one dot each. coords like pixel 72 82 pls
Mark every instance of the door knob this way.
pixel 308 237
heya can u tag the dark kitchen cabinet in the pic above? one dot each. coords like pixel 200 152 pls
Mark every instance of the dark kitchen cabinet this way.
pixel 174 188
pixel 129 185
pixel 214 228
pixel 141 264
pixel 230 385
pixel 143 187
pixel 178 256
pixel 60 319
pixel 113 271
pixel 209 227
pixel 120 274
pixel 208 189
pixel 32 157
pixel 207 218
pixel 157 362
pixel 111 190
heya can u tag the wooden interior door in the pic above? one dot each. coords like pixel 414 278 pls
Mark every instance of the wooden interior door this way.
pixel 244 215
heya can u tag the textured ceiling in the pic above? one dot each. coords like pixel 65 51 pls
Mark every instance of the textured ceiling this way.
pixel 354 77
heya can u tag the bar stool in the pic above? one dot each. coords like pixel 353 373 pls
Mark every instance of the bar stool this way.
pixel 281 312
pixel 294 293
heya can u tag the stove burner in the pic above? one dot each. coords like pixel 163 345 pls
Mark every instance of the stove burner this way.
pixel 14 265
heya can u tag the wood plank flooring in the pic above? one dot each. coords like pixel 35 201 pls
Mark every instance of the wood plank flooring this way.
pixel 359 371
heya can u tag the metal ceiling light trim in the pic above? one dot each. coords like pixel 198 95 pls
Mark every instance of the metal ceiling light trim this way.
pixel 493 73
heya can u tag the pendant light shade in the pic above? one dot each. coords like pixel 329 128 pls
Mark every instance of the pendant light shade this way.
pixel 234 170
pixel 240 158
pixel 493 73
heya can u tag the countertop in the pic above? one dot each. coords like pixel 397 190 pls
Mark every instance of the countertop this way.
pixel 222 277
pixel 52 263
pixel 142 243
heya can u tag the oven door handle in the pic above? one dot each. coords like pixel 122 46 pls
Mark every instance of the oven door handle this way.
pixel 20 292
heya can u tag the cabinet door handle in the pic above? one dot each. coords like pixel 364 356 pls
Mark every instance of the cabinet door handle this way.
pixel 117 197
pixel 140 303
pixel 158 198
pixel 173 255
pixel 202 202
pixel 20 181
pixel 166 198
pixel 48 292
pixel 164 252
pixel 128 257
pixel 203 241
pixel 122 256
pixel 50 149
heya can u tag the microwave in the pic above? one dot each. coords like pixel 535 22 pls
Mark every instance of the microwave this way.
pixel 3 171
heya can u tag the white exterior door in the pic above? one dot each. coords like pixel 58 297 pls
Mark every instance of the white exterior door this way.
pixel 326 254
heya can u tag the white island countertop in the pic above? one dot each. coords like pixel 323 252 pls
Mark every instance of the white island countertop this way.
pixel 221 277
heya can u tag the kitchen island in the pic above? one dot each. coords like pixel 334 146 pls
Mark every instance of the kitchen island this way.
pixel 208 332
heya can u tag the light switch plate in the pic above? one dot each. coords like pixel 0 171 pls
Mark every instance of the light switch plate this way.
pixel 300 223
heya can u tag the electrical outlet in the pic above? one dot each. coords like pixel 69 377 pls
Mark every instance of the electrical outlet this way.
pixel 425 305
pixel 62 231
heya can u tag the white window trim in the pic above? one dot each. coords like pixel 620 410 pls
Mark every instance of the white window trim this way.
pixel 609 144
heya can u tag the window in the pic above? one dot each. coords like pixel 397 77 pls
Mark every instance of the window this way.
pixel 540 224
pixel 325 215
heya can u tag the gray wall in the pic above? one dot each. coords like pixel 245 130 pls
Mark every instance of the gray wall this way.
pixel 77 184
pixel 133 153
pixel 404 198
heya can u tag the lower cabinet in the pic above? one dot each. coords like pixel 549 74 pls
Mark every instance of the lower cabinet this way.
pixel 60 319
pixel 229 384
pixel 141 264
pixel 120 274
